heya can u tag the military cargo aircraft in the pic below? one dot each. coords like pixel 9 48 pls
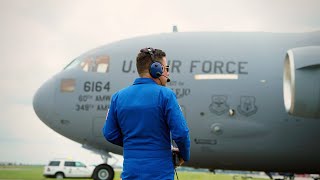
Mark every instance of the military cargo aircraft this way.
pixel 251 99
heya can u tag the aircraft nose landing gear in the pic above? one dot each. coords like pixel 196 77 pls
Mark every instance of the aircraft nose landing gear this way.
pixel 103 172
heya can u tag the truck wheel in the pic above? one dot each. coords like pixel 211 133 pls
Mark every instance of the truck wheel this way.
pixel 103 172
pixel 59 175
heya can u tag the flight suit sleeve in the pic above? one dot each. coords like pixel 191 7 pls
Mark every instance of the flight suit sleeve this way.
pixel 178 126
pixel 111 129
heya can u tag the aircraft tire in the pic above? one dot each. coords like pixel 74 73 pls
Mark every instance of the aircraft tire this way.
pixel 103 172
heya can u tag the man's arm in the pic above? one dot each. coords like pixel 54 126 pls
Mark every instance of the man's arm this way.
pixel 111 129
pixel 178 126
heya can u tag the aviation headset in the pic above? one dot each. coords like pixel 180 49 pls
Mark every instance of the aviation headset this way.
pixel 156 68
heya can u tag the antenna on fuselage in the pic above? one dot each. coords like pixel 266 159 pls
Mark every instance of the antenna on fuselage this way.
pixel 175 28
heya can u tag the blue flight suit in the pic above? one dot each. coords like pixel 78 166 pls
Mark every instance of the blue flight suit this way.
pixel 140 119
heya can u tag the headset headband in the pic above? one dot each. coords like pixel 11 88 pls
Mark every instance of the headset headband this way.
pixel 150 51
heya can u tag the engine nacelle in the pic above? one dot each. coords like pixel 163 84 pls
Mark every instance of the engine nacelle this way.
pixel 301 82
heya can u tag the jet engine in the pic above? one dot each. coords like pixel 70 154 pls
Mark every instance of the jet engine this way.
pixel 301 82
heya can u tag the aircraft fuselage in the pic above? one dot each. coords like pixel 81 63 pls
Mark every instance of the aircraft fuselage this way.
pixel 237 119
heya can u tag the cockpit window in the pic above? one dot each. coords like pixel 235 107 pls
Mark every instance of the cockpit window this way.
pixel 73 64
pixel 99 64
pixel 102 64
pixel 86 65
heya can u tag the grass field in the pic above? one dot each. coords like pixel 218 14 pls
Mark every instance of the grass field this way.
pixel 35 173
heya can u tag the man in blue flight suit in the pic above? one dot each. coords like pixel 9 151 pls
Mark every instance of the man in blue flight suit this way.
pixel 141 118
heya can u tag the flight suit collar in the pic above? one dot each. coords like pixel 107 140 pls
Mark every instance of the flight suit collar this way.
pixel 144 81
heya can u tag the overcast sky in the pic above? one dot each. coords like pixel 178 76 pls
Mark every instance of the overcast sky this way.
pixel 39 37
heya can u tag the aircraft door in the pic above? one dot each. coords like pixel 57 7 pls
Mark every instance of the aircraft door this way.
pixel 65 101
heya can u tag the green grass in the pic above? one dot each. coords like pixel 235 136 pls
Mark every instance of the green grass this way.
pixel 29 173
pixel 35 173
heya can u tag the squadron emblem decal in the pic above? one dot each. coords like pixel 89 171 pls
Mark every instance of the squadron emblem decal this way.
pixel 219 105
pixel 247 105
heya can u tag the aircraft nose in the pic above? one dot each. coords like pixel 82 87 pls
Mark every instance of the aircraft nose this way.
pixel 43 101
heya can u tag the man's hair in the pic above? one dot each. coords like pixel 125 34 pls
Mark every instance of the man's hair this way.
pixel 144 59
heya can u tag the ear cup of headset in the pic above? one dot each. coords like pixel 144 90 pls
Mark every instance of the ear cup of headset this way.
pixel 156 69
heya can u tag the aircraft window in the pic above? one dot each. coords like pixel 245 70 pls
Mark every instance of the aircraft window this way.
pixel 73 64
pixel 101 64
pixel 86 65
pixel 69 163
pixel 67 85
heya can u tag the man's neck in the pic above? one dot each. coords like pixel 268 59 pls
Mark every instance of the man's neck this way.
pixel 147 75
